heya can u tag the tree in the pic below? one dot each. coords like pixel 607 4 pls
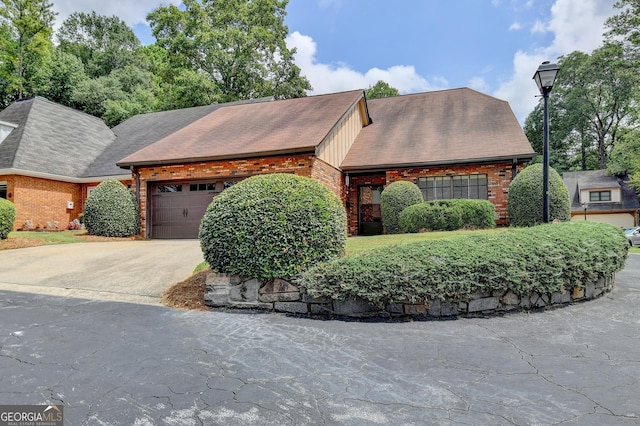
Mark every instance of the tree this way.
pixel 623 28
pixel 381 90
pixel 102 43
pixel 59 76
pixel 25 42
pixel 239 45
pixel 593 97
pixel 625 157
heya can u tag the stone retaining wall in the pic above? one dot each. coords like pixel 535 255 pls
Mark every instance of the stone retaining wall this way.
pixel 282 296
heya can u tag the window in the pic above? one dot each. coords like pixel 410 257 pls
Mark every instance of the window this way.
pixel 169 188
pixel 3 190
pixel 229 184
pixel 599 196
pixel 202 187
pixel 446 187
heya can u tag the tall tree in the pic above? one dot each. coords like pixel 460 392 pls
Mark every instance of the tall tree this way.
pixel 239 45
pixel 593 97
pixel 625 157
pixel 102 43
pixel 381 89
pixel 58 77
pixel 25 42
pixel 624 27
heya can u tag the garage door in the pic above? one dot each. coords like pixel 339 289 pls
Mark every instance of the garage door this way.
pixel 178 208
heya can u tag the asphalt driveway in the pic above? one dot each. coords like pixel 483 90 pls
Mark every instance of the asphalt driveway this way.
pixel 129 271
pixel 112 363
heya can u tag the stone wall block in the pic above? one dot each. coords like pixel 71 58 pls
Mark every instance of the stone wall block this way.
pixel 510 298
pixel 320 308
pixel 484 304
pixel 309 299
pixel 578 293
pixel 245 292
pixel 448 309
pixel 589 291
pixel 416 309
pixel 560 297
pixel 353 306
pixel 279 297
pixel 291 307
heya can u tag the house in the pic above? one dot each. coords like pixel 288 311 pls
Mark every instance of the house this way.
pixel 598 197
pixel 455 143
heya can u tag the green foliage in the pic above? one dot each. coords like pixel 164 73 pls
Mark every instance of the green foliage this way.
pixel 545 259
pixel 112 211
pixel 448 215
pixel 430 216
pixel 625 158
pixel 524 203
pixel 273 226
pixel 57 79
pixel 7 217
pixel 396 197
pixel 238 45
pixel 25 43
pixel 381 89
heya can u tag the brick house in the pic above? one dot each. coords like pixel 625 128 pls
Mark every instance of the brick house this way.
pixel 453 144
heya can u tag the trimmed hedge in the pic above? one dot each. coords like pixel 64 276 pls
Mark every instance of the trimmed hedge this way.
pixel 396 197
pixel 111 211
pixel 544 258
pixel 273 226
pixel 448 215
pixel 7 217
pixel 524 202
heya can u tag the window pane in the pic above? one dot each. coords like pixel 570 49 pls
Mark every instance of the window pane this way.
pixel 460 187
pixel 3 190
pixel 170 188
pixel 422 184
pixel 605 196
pixel 229 184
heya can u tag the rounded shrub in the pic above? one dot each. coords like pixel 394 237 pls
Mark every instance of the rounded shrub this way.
pixel 431 216
pixel 273 226
pixel 524 203
pixel 7 217
pixel 477 214
pixel 396 197
pixel 111 211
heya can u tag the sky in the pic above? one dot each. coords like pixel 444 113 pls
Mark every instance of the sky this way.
pixel 493 46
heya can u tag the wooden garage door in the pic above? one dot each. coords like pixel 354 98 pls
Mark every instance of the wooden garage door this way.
pixel 177 209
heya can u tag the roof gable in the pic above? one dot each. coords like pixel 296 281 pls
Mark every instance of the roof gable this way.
pixel 599 180
pixel 443 127
pixel 52 139
pixel 246 130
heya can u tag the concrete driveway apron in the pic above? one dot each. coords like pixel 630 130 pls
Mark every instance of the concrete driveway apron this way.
pixel 130 271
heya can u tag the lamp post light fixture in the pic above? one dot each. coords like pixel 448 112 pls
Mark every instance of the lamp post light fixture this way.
pixel 584 206
pixel 545 76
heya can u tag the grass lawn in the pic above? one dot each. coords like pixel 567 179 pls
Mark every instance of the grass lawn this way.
pixel 23 239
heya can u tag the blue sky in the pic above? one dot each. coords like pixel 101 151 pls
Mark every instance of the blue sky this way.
pixel 493 46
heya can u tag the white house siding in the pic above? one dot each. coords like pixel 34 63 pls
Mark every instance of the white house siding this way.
pixel 336 145
pixel 623 220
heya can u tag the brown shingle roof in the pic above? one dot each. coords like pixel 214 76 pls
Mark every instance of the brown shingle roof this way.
pixel 240 131
pixel 445 127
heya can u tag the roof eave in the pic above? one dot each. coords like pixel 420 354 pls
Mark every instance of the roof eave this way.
pixel 164 162
pixel 486 160
pixel 61 178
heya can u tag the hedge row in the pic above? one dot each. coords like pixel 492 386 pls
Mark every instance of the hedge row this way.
pixel 545 258
pixel 447 215
pixel 7 216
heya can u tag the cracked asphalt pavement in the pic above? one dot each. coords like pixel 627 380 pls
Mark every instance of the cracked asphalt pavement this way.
pixel 114 363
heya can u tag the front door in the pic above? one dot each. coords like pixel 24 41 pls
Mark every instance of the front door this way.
pixel 369 212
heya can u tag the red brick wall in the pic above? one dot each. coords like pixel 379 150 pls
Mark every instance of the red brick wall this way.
pixel 43 200
pixel 329 176
pixel 498 177
pixel 301 164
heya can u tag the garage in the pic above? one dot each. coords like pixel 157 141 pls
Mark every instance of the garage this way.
pixel 178 208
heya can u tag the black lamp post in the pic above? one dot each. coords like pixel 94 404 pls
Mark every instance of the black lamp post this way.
pixel 584 206
pixel 545 76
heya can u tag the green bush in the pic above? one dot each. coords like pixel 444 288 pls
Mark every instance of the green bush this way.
pixel 7 217
pixel 544 258
pixel 448 215
pixel 431 216
pixel 111 211
pixel 273 226
pixel 524 203
pixel 396 197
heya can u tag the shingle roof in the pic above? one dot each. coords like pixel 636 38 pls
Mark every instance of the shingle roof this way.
pixel 140 131
pixel 436 128
pixel 240 131
pixel 51 139
pixel 598 179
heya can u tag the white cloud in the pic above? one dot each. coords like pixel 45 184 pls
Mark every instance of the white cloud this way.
pixel 576 25
pixel 328 78
pixel 131 12
pixel 515 26
pixel 479 84
pixel 538 27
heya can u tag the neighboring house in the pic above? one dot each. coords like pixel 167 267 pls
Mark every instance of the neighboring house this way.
pixel 597 197
pixel 453 144
pixel 45 151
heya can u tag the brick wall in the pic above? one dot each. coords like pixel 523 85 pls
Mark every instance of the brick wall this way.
pixel 43 200
pixel 301 164
pixel 329 176
pixel 499 178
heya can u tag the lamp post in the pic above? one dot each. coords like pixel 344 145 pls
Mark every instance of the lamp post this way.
pixel 584 206
pixel 545 76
